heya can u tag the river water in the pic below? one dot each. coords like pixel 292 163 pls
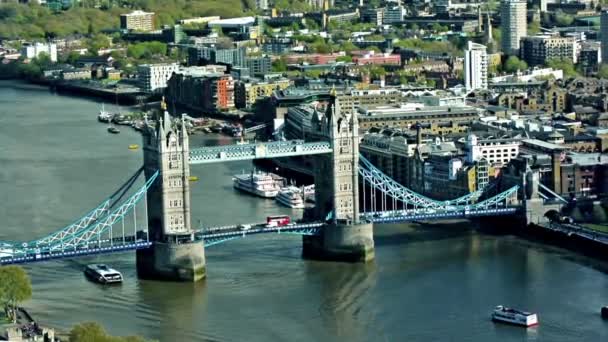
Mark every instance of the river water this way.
pixel 428 283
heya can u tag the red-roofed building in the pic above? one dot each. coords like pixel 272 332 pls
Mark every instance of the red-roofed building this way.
pixel 377 59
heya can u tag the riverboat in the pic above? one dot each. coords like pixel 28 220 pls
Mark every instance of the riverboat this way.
pixel 291 197
pixel 103 274
pixel 261 184
pixel 504 314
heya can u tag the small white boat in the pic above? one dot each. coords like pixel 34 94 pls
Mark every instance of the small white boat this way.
pixel 103 274
pixel 292 197
pixel 504 314
pixel 309 193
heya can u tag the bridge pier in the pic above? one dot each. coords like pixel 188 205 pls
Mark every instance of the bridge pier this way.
pixel 171 261
pixel 341 242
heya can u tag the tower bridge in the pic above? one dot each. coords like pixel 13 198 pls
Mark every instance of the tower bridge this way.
pixel 351 195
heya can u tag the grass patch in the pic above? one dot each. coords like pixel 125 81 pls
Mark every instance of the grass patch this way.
pixel 599 227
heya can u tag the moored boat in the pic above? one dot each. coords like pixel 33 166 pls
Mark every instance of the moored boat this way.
pixel 504 314
pixel 291 197
pixel 113 130
pixel 103 274
pixel 605 312
pixel 261 184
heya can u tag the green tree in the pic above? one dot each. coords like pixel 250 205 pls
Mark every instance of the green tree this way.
pixel 533 28
pixel 563 19
pixel 603 72
pixel 563 64
pixel 279 65
pixel 94 332
pixel 513 64
pixel 347 46
pixel 346 59
pixel 15 287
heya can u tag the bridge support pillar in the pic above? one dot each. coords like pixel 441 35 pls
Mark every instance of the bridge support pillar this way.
pixel 341 242
pixel 171 261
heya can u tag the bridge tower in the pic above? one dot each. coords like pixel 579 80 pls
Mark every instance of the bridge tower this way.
pixel 174 254
pixel 337 191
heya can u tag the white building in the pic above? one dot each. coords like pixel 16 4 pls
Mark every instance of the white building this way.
pixel 495 151
pixel 154 77
pixel 514 25
pixel 475 67
pixel 604 35
pixel 34 50
pixel 261 4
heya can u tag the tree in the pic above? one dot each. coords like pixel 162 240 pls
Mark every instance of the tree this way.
pixel 279 65
pixel 533 28
pixel 603 72
pixel 563 19
pixel 345 59
pixel 563 64
pixel 94 332
pixel 15 287
pixel 513 64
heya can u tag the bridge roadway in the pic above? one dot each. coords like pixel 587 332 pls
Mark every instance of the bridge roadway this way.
pixel 12 254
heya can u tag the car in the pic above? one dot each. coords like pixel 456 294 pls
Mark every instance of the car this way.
pixel 244 226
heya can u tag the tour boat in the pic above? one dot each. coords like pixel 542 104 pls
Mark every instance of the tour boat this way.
pixel 507 315
pixel 261 184
pixel 103 274
pixel 309 193
pixel 291 196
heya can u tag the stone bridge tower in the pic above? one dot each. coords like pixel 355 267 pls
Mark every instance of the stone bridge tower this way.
pixel 337 190
pixel 174 255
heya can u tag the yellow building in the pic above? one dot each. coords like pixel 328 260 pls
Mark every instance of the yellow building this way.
pixel 246 93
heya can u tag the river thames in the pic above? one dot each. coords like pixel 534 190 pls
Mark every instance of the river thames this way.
pixel 428 283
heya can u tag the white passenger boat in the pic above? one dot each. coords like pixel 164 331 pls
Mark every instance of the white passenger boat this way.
pixel 507 315
pixel 309 193
pixel 291 196
pixel 261 184
pixel 103 274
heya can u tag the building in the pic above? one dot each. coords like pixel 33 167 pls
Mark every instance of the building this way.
pixel 34 50
pixel 604 34
pixel 584 174
pixel 154 77
pixel 200 88
pixel 475 67
pixel 537 50
pixel 261 4
pixel 377 59
pixel 258 65
pixel 401 116
pixel 373 15
pixel 137 21
pixel 513 18
pixel 277 46
pixel 247 92
pixel 590 58
pixel 497 152
pixel 198 20
pixel 200 54
pixel 393 15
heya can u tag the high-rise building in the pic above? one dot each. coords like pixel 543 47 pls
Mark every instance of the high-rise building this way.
pixel 537 50
pixel 604 35
pixel 514 26
pixel 154 77
pixel 475 67
pixel 137 21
